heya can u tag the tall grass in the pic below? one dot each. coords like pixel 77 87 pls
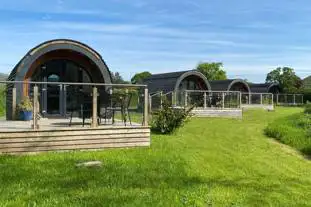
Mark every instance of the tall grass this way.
pixel 293 130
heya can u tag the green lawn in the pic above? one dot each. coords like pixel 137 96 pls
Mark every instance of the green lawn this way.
pixel 210 162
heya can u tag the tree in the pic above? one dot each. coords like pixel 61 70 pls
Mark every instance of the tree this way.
pixel 117 78
pixel 286 78
pixel 139 77
pixel 212 71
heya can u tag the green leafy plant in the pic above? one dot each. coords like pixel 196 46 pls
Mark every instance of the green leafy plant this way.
pixel 168 119
pixel 25 104
pixel 2 100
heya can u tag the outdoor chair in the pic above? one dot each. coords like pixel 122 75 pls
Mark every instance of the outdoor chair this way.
pixel 122 104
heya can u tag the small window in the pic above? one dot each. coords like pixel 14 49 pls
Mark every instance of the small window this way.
pixel 53 78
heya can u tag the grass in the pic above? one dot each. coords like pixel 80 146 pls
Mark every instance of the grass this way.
pixel 209 162
pixel 293 130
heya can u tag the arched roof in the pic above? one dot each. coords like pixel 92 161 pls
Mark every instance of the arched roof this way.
pixel 263 87
pixel 20 70
pixel 167 82
pixel 226 85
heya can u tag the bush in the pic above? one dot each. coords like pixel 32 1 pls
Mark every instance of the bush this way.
pixel 169 119
pixel 2 101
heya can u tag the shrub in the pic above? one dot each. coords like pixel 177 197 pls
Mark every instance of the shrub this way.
pixel 2 100
pixel 169 119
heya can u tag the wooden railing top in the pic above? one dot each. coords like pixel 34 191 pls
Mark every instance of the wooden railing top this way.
pixel 75 83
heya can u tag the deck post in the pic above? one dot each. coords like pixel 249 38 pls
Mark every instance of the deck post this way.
pixel 277 99
pixel 35 125
pixel 94 110
pixel 249 98
pixel 272 99
pixel 261 99
pixel 145 123
pixel 186 98
pixel 204 100
pixel 13 103
pixel 223 100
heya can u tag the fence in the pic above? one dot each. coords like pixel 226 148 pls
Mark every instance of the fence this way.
pixel 199 98
pixel 257 99
pixel 289 99
pixel 210 99
pixel 66 104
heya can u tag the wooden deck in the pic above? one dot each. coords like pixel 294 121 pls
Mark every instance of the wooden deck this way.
pixel 216 112
pixel 17 137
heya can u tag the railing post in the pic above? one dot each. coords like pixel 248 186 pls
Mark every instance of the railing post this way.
pixel 35 112
pixel 294 99
pixel 277 99
pixel 223 100
pixel 240 105
pixel 204 100
pixel 161 101
pixel 261 99
pixel 145 123
pixel 186 98
pixel 249 98
pixel 13 103
pixel 272 99
pixel 149 102
pixel 94 111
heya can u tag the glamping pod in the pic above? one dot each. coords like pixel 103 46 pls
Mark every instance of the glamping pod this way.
pixel 60 60
pixel 230 85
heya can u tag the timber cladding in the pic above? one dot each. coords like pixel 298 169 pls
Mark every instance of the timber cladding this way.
pixel 79 139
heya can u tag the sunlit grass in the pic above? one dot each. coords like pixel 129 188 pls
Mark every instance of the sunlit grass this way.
pixel 209 162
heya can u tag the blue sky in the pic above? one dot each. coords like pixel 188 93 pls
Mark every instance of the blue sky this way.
pixel 249 37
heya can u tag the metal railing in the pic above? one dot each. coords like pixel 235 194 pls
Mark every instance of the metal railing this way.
pixel 289 99
pixel 199 98
pixel 257 99
pixel 59 99
pixel 210 99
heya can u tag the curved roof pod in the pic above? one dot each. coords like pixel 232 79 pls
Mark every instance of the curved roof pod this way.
pixel 59 49
pixel 44 52
pixel 230 85
pixel 265 88
pixel 167 82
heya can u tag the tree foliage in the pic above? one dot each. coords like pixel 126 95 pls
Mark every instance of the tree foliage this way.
pixel 139 77
pixel 117 78
pixel 286 78
pixel 212 71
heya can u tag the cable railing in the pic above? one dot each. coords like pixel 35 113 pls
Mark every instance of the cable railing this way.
pixel 52 105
